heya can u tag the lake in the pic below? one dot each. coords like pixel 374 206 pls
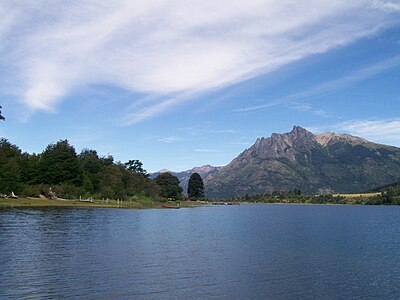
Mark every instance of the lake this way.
pixel 232 252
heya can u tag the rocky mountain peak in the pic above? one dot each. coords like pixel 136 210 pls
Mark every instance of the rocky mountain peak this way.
pixel 300 130
pixel 322 163
pixel 204 169
pixel 286 145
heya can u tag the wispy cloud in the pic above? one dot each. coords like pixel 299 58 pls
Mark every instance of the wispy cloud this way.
pixel 329 86
pixel 170 139
pixel 170 49
pixel 205 129
pixel 307 107
pixel 387 5
pixel 379 130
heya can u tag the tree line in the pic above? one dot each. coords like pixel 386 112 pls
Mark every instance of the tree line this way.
pixel 388 195
pixel 88 175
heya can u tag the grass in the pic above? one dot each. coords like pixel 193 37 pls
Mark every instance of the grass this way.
pixel 36 202
pixel 362 195
pixel 137 204
pixel 146 203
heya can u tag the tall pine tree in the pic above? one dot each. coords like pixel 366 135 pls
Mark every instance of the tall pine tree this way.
pixel 195 186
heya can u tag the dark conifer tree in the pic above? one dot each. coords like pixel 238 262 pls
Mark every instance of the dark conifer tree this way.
pixel 1 117
pixel 10 171
pixel 195 186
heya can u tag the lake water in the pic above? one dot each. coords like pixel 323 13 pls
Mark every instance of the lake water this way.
pixel 233 252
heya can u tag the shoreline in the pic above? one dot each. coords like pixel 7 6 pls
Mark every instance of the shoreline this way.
pixel 48 203
pixel 42 203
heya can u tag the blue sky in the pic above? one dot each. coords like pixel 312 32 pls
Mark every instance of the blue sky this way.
pixel 178 84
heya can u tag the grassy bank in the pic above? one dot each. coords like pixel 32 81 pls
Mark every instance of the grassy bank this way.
pixel 139 204
pixel 376 198
pixel 362 195
pixel 350 199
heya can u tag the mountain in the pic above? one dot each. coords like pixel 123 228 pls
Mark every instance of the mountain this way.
pixel 323 163
pixel 184 176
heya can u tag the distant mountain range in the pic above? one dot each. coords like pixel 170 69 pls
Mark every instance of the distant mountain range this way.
pixel 323 163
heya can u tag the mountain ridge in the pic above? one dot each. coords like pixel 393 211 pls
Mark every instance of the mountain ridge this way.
pixel 324 163
pixel 329 137
pixel 314 163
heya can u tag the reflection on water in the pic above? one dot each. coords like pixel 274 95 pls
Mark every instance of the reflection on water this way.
pixel 248 251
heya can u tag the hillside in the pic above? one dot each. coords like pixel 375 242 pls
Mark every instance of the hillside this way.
pixel 324 163
pixel 393 188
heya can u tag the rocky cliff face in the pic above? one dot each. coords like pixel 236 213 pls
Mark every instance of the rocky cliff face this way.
pixel 324 163
pixel 286 145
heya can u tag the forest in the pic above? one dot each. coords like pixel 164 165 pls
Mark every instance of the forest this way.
pixel 71 175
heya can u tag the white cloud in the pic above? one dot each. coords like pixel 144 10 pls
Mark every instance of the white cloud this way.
pixel 386 131
pixel 306 107
pixel 376 130
pixel 170 139
pixel 328 86
pixel 387 5
pixel 168 49
pixel 205 129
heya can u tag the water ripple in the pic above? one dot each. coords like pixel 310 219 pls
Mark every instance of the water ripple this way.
pixel 252 251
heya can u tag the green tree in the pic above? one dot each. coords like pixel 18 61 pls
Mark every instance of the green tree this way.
pixel 195 186
pixel 169 186
pixel 10 170
pixel 59 163
pixel 29 164
pixel 71 175
pixel 136 166
pixel 92 166
pixel 112 185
